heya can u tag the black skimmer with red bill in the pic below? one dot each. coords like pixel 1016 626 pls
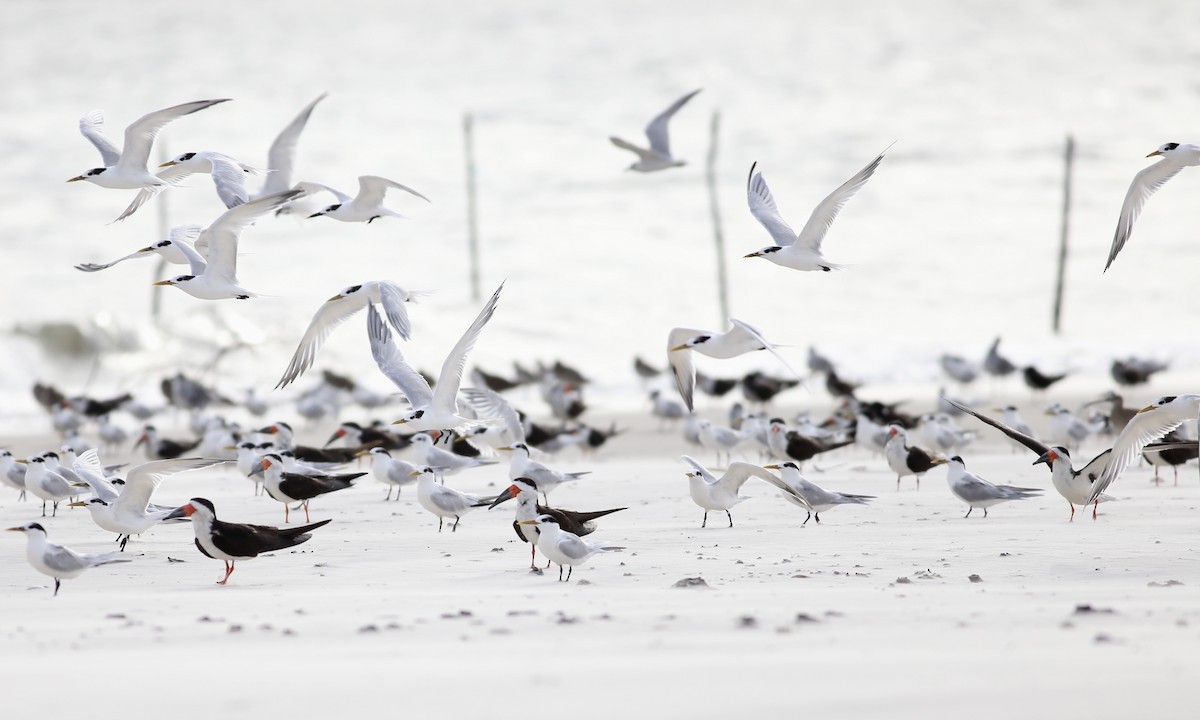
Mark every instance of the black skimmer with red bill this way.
pixel 791 445
pixel 1172 458
pixel 905 460
pixel 286 440
pixel 289 487
pixel 525 490
pixel 368 437
pixel 160 448
pixel 230 542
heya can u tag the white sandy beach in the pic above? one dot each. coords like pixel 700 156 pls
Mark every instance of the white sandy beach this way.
pixel 870 613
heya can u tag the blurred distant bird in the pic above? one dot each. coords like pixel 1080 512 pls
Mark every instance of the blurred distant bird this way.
pixel 665 408
pixel 367 206
pixel 800 251
pixel 758 387
pixel 838 387
pixel 1036 380
pixel 716 387
pixel 645 370
pixel 1175 157
pixel 1135 371
pixel 160 448
pixel 658 156
pixel 959 368
pixel 187 394
pixel 1118 416
pixel 817 362
pixel 996 364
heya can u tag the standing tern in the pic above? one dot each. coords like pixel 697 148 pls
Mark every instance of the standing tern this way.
pixel 658 156
pixel 228 176
pixel 738 340
pixel 338 309
pixel 126 169
pixel 60 563
pixel 168 249
pixel 525 490
pixel 366 206
pixel 216 278
pixel 432 409
pixel 12 473
pixel 801 251
pixel 523 466
pixel 442 461
pixel 231 542
pixel 810 496
pixel 48 485
pixel 1175 157
pixel 562 547
pixel 130 512
pixel 713 493
pixel 393 472
pixel 979 493
pixel 445 502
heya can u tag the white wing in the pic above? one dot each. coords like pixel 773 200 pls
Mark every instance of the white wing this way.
pixel 446 392
pixel 223 233
pixel 90 126
pixel 184 233
pixel 196 262
pixel 739 472
pixel 490 405
pixel 1144 184
pixel 740 327
pixel 282 155
pixel 87 466
pixel 823 216
pixel 140 135
pixel 656 131
pixel 1144 428
pixel 96 267
pixel 372 188
pixel 709 477
pixel 572 546
pixel 230 179
pixel 391 363
pixel 172 174
pixel 681 363
pixel 332 313
pixel 762 207
pixel 143 480
pixel 392 297
pixel 307 188
pixel 625 145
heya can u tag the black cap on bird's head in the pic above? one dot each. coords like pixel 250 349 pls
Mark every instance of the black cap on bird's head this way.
pixel 24 528
pixel 329 209
pixel 89 174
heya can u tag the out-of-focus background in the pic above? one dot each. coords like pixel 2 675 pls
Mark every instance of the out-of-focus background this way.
pixel 951 243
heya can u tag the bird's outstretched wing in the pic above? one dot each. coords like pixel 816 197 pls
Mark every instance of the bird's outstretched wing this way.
pixel 813 232
pixel 656 131
pixel 392 364
pixel 1144 184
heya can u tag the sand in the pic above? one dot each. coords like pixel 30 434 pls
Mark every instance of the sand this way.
pixel 901 607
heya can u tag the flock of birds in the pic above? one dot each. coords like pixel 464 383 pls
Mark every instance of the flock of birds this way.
pixel 447 429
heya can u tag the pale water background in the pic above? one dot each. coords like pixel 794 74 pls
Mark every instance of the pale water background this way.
pixel 951 243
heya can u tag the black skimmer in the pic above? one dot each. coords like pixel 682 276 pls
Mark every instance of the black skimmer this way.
pixel 286 440
pixel 97 408
pixel 60 563
pixel 231 542
pixel 526 490
pixel 1037 380
pixel 160 448
pixel 758 387
pixel 289 487
pixel 906 460
pixel 715 387
pixel 1135 371
pixel 791 445
pixel 838 387
pixel 364 438
pixel 816 498
pixel 1171 458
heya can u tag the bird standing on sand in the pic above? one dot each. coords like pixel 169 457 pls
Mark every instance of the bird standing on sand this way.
pixel 979 493
pixel 905 460
pixel 60 563
pixel 562 547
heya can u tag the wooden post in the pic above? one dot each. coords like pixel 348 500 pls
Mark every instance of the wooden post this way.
pixel 164 230
pixel 1068 162
pixel 472 218
pixel 718 234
